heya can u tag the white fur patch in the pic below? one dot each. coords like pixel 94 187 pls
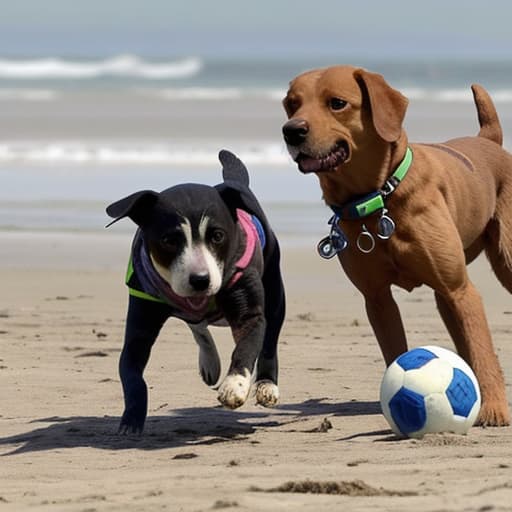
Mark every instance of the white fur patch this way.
pixel 196 258
pixel 267 393
pixel 214 266
pixel 234 391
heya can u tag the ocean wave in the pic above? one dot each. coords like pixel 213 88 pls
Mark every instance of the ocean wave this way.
pixel 121 65
pixel 446 95
pixel 67 153
pixel 454 95
pixel 28 94
pixel 212 93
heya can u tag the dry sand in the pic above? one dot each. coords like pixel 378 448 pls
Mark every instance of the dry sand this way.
pixel 61 326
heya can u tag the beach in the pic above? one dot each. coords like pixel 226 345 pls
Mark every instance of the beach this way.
pixel 70 145
pixel 62 324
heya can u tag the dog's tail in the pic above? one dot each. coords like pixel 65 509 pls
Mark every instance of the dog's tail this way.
pixel 233 168
pixel 490 127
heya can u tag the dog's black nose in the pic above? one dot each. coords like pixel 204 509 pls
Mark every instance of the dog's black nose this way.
pixel 295 131
pixel 199 282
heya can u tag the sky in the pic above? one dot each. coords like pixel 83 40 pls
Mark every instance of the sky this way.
pixel 263 28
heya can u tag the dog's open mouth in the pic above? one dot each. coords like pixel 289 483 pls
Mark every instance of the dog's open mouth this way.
pixel 198 302
pixel 337 156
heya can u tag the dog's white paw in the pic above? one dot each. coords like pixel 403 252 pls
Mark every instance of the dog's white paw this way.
pixel 234 391
pixel 267 393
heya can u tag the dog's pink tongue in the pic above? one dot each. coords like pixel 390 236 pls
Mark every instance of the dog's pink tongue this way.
pixel 197 303
pixel 308 164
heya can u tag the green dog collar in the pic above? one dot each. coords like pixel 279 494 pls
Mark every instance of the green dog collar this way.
pixel 374 202
pixel 402 169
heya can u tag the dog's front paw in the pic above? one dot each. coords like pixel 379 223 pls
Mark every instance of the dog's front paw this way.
pixel 234 391
pixel 267 393
pixel 131 423
pixel 209 365
pixel 492 415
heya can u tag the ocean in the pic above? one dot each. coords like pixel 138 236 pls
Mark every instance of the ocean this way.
pixel 77 134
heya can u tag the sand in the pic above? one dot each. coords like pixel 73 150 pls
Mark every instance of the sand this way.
pixel 325 447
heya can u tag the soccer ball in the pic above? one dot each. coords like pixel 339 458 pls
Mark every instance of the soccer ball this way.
pixel 429 390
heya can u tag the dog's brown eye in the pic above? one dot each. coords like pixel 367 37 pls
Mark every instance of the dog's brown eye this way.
pixel 217 236
pixel 337 103
pixel 291 105
pixel 170 240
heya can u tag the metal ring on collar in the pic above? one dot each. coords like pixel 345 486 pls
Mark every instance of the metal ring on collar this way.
pixel 365 235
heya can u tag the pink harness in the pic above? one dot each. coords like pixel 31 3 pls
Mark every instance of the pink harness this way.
pixel 251 238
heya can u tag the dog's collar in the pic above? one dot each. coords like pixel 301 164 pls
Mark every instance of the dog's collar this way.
pixel 374 202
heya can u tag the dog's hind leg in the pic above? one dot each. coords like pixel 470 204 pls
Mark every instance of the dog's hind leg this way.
pixel 498 248
pixel 267 392
pixel 209 360
pixel 463 313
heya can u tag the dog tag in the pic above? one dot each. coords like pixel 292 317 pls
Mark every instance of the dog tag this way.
pixel 385 226
pixel 326 248
pixel 331 245
pixel 365 241
pixel 335 242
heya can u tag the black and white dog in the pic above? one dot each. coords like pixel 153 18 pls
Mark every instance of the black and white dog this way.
pixel 206 255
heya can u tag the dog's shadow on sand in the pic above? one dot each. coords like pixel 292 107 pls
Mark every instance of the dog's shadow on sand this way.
pixel 186 427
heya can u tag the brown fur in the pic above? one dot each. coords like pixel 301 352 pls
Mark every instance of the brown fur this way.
pixel 455 202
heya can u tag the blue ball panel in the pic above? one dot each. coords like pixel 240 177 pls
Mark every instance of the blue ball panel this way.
pixel 415 359
pixel 408 410
pixel 461 393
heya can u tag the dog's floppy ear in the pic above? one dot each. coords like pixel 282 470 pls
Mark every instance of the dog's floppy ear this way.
pixel 387 104
pixel 134 206
pixel 233 169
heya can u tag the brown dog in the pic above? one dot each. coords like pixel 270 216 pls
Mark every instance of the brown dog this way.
pixel 345 125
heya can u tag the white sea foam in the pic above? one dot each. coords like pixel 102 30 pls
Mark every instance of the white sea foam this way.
pixel 28 94
pixel 434 95
pixel 454 95
pixel 195 93
pixel 502 95
pixel 78 153
pixel 121 65
pixel 212 93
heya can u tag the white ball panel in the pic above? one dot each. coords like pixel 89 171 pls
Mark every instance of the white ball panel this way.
pixel 392 381
pixel 473 415
pixel 439 415
pixel 434 377
pixel 387 414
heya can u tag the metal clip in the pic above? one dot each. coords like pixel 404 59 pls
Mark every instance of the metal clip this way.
pixel 389 186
